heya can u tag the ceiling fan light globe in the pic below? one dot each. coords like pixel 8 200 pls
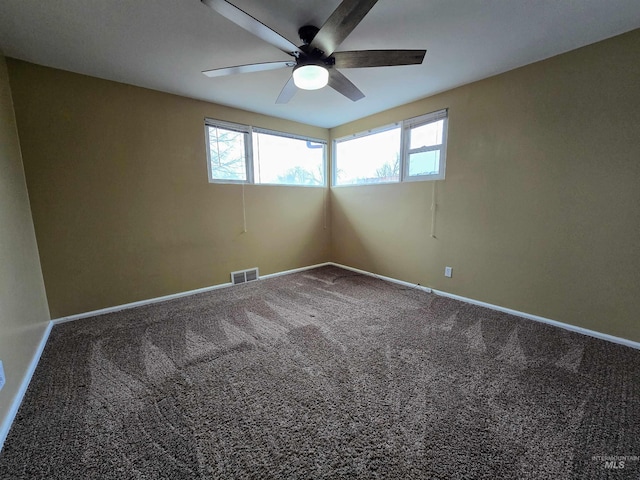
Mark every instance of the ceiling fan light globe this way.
pixel 310 77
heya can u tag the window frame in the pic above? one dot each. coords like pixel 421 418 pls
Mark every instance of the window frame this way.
pixel 405 150
pixel 248 131
pixel 248 149
pixel 415 122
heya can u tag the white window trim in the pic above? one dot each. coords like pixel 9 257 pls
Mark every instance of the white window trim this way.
pixel 249 164
pixel 405 125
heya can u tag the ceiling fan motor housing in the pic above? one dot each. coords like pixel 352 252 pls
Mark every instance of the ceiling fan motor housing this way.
pixel 307 33
pixel 312 55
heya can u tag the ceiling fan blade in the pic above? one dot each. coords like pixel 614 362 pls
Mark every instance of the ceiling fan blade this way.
pixel 252 25
pixel 288 91
pixel 254 67
pixel 340 24
pixel 378 58
pixel 343 85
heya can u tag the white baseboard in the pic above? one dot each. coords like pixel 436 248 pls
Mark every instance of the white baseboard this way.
pixel 140 303
pixel 26 379
pixel 417 286
pixel 555 323
pixel 295 270
pixel 528 316
pixel 164 298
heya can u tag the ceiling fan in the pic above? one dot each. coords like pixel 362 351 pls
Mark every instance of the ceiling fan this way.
pixel 316 61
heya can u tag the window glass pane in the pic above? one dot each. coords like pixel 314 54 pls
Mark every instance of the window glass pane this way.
pixel 424 163
pixel 227 152
pixel 287 161
pixel 374 158
pixel 426 135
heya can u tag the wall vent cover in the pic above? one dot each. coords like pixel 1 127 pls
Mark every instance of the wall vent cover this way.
pixel 244 276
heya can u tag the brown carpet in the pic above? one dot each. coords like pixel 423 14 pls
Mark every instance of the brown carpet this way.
pixel 325 374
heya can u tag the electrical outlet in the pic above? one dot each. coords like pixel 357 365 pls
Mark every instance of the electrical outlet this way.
pixel 448 271
pixel 1 375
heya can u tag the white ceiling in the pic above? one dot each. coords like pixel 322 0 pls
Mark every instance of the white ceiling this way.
pixel 165 44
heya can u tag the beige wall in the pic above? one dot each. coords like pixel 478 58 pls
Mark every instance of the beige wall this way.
pixel 540 208
pixel 122 207
pixel 23 307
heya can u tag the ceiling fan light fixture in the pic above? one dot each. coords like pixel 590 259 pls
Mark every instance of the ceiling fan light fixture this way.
pixel 310 76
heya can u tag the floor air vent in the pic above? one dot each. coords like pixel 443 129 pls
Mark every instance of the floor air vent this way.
pixel 244 276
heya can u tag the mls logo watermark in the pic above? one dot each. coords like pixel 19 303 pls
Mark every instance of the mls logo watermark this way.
pixel 615 462
pixel 614 465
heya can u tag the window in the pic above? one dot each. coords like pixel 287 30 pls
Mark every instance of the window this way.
pixel 243 154
pixel 413 149
pixel 424 146
pixel 228 151
pixel 371 157
pixel 286 160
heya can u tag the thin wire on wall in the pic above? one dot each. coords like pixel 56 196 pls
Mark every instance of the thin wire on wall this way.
pixel 434 206
pixel 325 199
pixel 244 212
